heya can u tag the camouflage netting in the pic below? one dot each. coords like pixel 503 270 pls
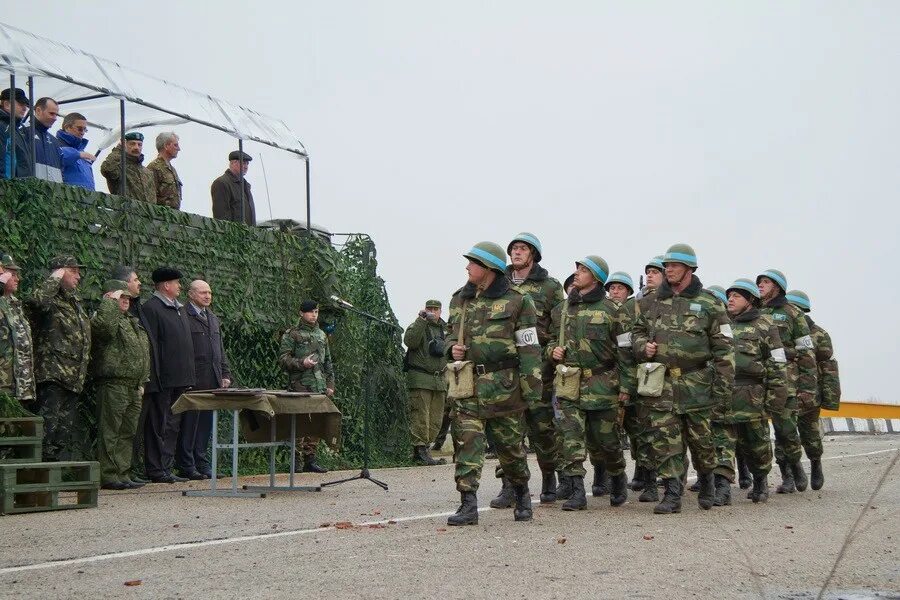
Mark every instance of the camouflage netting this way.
pixel 258 278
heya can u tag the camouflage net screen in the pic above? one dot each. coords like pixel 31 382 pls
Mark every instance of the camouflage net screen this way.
pixel 258 277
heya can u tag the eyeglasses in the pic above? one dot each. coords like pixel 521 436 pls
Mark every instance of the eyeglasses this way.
pixel 79 129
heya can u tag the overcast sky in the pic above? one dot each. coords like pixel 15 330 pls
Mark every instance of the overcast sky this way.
pixel 764 134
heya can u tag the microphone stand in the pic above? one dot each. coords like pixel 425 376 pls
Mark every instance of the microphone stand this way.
pixel 367 395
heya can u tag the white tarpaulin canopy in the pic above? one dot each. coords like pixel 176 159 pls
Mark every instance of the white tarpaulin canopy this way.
pixel 65 73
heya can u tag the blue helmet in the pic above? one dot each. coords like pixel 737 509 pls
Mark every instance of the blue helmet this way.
pixel 531 240
pixel 776 276
pixel 719 292
pixel 620 277
pixel 596 265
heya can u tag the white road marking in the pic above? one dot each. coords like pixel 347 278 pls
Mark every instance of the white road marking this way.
pixel 269 536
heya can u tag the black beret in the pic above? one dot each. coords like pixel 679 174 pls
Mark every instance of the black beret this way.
pixel 165 274
pixel 236 155
pixel 308 306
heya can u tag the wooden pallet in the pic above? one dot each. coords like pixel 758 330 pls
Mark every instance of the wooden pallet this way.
pixel 21 439
pixel 34 487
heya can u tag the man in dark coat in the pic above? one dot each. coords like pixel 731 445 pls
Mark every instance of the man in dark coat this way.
pixel 172 374
pixel 211 371
pixel 226 191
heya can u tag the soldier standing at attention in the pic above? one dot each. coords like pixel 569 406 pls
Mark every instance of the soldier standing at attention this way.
pixel 165 177
pixel 424 363
pixel 495 377
pixel 16 350
pixel 62 333
pixel 306 357
pixel 682 332
pixel 801 372
pixel 139 181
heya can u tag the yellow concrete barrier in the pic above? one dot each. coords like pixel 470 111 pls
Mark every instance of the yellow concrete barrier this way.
pixel 864 410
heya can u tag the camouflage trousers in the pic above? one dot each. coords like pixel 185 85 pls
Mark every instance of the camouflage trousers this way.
pixel 750 438
pixel 787 439
pixel 596 431
pixel 810 432
pixel 426 411
pixel 469 436
pixel 119 406
pixel 637 427
pixel 672 432
pixel 540 426
pixel 59 407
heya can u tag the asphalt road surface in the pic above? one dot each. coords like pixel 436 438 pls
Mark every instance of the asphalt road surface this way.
pixel 357 541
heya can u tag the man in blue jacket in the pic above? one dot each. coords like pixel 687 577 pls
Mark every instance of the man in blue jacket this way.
pixel 47 163
pixel 12 134
pixel 76 163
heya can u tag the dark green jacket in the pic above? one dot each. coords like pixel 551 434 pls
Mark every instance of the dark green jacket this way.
pixel 139 181
pixel 62 335
pixel 16 351
pixel 760 373
pixel 121 349
pixel 799 348
pixel 296 344
pixel 425 359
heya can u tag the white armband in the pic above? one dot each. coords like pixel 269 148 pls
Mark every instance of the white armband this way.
pixel 527 337
pixel 804 343
pixel 778 355
pixel 726 331
pixel 624 340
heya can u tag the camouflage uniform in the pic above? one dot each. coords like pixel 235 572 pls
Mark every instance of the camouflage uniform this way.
pixel 296 344
pixel 140 184
pixel 501 335
pixel 808 417
pixel 120 366
pixel 424 340
pixel 635 421
pixel 16 351
pixel 62 334
pixel 168 184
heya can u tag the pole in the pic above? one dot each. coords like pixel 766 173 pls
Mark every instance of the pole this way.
pixel 31 126
pixel 122 174
pixel 241 177
pixel 12 126
pixel 308 202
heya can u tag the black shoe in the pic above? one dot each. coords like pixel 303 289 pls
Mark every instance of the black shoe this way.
pixel 138 479
pixel 207 474
pixel 637 481
pixel 548 487
pixel 618 492
pixel 651 491
pixel 133 485
pixel 522 511
pixel 506 497
pixel 564 489
pixel 800 479
pixel 577 501
pixel 787 480
pixel 114 485
pixel 467 513
pixel 178 478
pixel 722 496
pixel 760 491
pixel 671 502
pixel 421 456
pixel 191 475
pixel 694 487
pixel 311 466
pixel 600 487
pixel 164 478
pixel 816 475
pixel 707 493
pixel 745 479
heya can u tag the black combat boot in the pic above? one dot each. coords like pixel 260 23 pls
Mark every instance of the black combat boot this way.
pixel 548 487
pixel 695 487
pixel 467 513
pixel 564 489
pixel 637 481
pixel 671 502
pixel 800 479
pixel 442 433
pixel 422 457
pixel 760 491
pixel 618 489
pixel 745 479
pixel 707 494
pixel 506 497
pixel 651 491
pixel 311 466
pixel 600 486
pixel 816 475
pixel 522 511
pixel 577 501
pixel 787 480
pixel 723 491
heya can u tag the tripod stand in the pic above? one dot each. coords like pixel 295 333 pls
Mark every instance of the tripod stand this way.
pixel 367 397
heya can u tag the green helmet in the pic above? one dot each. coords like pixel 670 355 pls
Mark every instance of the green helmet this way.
pixel 655 263
pixel 681 253
pixel 719 292
pixel 9 263
pixel 776 276
pixel 531 240
pixel 596 265
pixel 489 255
pixel 620 277
pixel 799 299
pixel 745 285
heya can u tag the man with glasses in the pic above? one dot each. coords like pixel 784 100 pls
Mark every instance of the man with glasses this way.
pixel 76 163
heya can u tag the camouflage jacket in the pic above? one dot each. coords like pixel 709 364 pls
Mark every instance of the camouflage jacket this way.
pixel 500 328
pixel 120 347
pixel 16 351
pixel 296 344
pixel 829 379
pixel 140 183
pixel 760 370
pixel 597 340
pixel 168 184
pixel 694 340
pixel 627 315
pixel 426 354
pixel 546 292
pixel 62 334
pixel 798 346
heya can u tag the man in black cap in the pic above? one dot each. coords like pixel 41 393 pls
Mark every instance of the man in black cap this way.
pixel 139 181
pixel 11 116
pixel 172 372
pixel 226 191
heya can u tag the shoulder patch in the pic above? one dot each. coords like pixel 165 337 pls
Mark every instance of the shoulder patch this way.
pixel 778 355
pixel 779 317
pixel 726 330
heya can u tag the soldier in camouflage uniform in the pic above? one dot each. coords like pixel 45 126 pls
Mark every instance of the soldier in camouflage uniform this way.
pixel 120 366
pixel 165 177
pixel 424 364
pixel 525 272
pixel 801 370
pixel 62 335
pixel 16 350
pixel 829 391
pixel 140 183
pixel 493 325
pixel 686 329
pixel 760 382
pixel 589 335
pixel 306 357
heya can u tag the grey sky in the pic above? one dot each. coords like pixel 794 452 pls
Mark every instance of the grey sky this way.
pixel 764 134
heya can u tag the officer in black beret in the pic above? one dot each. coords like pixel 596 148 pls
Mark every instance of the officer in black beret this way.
pixel 229 202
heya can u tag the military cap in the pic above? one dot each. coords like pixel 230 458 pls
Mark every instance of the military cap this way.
pixel 64 261
pixel 134 136
pixel 115 285
pixel 21 97
pixel 9 263
pixel 308 306
pixel 489 255
pixel 530 239
pixel 776 276
pixel 433 304
pixel 236 155
pixel 165 274
pixel 796 297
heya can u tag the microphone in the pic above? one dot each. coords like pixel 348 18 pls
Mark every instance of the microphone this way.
pixel 341 302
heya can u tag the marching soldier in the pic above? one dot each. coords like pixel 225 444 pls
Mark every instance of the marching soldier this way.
pixel 16 349
pixel 495 375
